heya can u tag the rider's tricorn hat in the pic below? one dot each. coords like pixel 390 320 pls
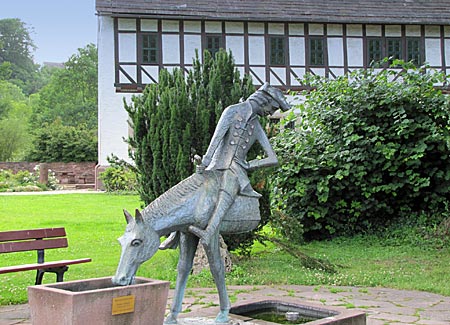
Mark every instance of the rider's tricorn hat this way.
pixel 277 95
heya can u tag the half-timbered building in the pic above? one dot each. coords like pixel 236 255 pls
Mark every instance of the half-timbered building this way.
pixel 274 41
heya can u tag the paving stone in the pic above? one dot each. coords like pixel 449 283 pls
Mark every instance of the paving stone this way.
pixel 384 306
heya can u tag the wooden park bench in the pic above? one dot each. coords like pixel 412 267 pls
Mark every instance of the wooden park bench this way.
pixel 38 240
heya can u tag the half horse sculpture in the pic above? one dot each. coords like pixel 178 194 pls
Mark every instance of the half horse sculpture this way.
pixel 217 199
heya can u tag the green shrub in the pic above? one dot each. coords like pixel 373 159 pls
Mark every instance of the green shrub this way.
pixel 118 177
pixel 25 181
pixel 56 142
pixel 370 150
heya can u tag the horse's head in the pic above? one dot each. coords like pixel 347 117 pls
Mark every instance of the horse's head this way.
pixel 139 243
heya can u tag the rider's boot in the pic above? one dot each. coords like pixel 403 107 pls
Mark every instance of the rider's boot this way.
pixel 223 204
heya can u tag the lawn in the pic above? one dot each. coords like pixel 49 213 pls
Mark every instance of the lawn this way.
pixel 94 221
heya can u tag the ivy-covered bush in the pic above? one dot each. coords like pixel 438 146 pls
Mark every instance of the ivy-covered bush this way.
pixel 371 149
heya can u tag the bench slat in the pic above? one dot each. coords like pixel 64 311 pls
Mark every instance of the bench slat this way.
pixel 11 247
pixel 46 265
pixel 32 234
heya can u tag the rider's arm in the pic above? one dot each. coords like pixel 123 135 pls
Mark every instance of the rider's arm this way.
pixel 271 158
pixel 220 131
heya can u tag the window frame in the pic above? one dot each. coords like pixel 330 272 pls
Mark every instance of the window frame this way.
pixel 403 47
pixel 370 58
pixel 215 37
pixel 314 52
pixel 389 54
pixel 156 49
pixel 277 50
pixel 417 52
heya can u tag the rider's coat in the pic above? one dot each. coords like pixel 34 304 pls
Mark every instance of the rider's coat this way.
pixel 236 131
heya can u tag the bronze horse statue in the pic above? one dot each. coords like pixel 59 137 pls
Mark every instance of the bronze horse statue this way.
pixel 189 203
pixel 217 199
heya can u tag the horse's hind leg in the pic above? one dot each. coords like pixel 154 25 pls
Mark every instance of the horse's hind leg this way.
pixel 218 272
pixel 188 246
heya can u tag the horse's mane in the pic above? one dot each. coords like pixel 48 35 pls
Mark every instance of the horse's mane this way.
pixel 172 198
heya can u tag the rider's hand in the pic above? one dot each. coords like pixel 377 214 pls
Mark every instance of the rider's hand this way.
pixel 199 169
pixel 243 163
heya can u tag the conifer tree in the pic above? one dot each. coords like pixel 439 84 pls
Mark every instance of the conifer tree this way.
pixel 175 119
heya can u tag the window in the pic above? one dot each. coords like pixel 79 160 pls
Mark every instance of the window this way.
pixel 277 50
pixel 374 50
pixel 213 44
pixel 407 49
pixel 317 51
pixel 394 48
pixel 413 51
pixel 149 48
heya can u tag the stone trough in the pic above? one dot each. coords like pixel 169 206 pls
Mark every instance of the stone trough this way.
pixel 98 301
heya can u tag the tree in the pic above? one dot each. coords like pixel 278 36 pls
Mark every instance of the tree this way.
pixel 175 119
pixel 71 94
pixel 14 116
pixel 16 47
pixel 9 94
pixel 67 103
pixel 371 150
pixel 56 142
pixel 160 118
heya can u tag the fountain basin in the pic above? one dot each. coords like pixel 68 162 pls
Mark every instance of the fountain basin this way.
pixel 290 311
pixel 98 301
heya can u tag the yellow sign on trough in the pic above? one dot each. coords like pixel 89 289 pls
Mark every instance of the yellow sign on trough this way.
pixel 122 305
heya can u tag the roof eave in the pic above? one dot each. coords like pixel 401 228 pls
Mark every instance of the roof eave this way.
pixel 218 16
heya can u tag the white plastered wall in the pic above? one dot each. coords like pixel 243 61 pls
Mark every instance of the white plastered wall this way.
pixel 112 117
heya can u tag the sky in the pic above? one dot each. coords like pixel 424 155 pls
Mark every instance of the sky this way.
pixel 57 27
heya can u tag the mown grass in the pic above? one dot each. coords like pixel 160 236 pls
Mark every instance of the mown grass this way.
pixel 94 221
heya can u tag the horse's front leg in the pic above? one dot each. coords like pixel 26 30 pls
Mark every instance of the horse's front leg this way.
pixel 217 267
pixel 188 246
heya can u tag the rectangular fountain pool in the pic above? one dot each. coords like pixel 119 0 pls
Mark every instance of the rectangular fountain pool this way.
pixel 270 312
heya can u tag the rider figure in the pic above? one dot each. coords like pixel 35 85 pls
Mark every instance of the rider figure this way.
pixel 237 130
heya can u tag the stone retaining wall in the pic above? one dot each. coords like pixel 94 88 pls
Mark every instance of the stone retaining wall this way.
pixel 66 173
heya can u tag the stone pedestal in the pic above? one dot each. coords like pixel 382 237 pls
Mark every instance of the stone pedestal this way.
pixel 43 173
pixel 98 301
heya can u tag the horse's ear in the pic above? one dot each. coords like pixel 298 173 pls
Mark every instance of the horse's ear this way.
pixel 138 217
pixel 128 216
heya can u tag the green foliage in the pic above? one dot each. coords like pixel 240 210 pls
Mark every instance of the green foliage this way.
pixel 15 112
pixel 24 181
pixel 16 59
pixel 119 178
pixel 9 95
pixel 64 118
pixel 71 93
pixel 370 150
pixel 56 142
pixel 68 95
pixel 161 119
